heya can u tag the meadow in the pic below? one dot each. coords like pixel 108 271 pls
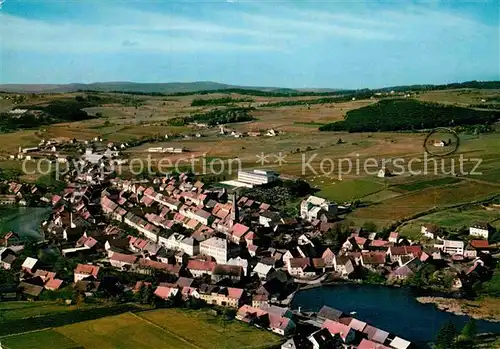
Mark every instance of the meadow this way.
pixel 161 328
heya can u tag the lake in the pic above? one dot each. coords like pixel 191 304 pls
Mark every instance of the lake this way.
pixel 23 220
pixel 392 309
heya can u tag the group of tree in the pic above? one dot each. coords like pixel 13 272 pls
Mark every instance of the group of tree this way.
pixel 449 338
pixel 215 117
pixel 409 115
pixel 325 100
pixel 199 102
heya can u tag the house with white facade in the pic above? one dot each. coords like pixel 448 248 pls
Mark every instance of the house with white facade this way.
pixel 312 208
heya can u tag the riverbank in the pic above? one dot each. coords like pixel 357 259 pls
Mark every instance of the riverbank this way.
pixel 487 308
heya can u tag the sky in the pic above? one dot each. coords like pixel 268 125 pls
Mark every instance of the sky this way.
pixel 295 44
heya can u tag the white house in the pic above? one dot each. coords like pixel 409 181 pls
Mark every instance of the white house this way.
pixel 451 247
pixel 313 206
pixel 480 230
pixel 215 247
pixel 262 270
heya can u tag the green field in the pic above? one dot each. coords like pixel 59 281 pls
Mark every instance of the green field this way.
pixel 40 339
pixel 452 220
pixel 347 190
pixel 162 328
pixel 426 184
pixel 209 333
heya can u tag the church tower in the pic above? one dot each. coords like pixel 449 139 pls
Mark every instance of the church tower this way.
pixel 234 212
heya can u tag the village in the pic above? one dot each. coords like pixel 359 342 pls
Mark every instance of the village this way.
pixel 176 239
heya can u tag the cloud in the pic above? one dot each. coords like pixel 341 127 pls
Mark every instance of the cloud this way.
pixel 233 28
pixel 34 35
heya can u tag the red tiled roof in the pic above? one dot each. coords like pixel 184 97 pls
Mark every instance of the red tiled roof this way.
pixel 163 291
pixel 299 262
pixel 194 264
pixel 53 284
pixel 479 243
pixel 239 230
pixel 337 328
pixel 124 258
pixel 147 263
pixel 414 250
pixel 235 293
pixel 378 243
pixel 367 344
pixel 87 269
pixel 373 257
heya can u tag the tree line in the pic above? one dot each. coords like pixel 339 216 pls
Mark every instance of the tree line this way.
pixel 199 102
pixel 215 117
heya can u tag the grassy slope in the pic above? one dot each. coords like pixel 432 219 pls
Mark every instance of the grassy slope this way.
pixel 162 328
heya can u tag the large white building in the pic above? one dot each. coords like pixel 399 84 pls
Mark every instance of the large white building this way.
pixel 480 230
pixel 257 177
pixel 215 247
pixel 451 247
pixel 313 206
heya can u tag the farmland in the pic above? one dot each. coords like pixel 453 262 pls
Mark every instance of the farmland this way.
pixel 163 328
pixel 124 117
pixel 454 219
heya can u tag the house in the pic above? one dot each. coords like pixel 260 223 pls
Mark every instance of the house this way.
pixel 393 237
pixel 122 261
pixel 383 172
pixel 225 271
pixel 315 207
pixel 30 291
pixel 165 292
pixel 375 334
pixel 398 253
pixel 262 270
pixel 327 312
pixel 83 271
pixel 372 260
pixel 273 318
pixel 480 229
pixel 321 339
pixel 429 230
pixel 243 263
pixel 400 343
pixel 407 270
pixel 7 257
pixel 343 266
pixel 368 344
pixel 298 342
pixel 300 267
pixel 222 296
pixel 328 256
pixel 269 219
pixel 216 248
pixel 30 265
pixel 451 247
pixel 336 328
pixel 199 268
pixel 238 232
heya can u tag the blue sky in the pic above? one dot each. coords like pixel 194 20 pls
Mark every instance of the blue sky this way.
pixel 337 44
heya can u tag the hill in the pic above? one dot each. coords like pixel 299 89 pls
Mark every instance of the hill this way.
pixel 409 114
pixel 207 87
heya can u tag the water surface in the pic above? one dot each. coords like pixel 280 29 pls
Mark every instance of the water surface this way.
pixel 392 309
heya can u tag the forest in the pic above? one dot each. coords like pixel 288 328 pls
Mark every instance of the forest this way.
pixel 408 115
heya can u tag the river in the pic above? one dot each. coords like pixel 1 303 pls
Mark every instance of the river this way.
pixel 23 220
pixel 392 309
